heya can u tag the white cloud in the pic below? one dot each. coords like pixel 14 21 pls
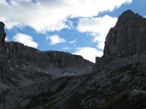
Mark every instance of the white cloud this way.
pixel 52 15
pixel 88 53
pixel 73 41
pixel 55 39
pixel 66 48
pixel 97 27
pixel 25 39
pixel 6 39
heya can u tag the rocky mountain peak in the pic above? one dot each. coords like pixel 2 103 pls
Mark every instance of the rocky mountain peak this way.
pixel 2 25
pixel 128 37
pixel 2 35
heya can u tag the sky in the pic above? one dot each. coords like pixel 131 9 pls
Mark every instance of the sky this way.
pixel 75 26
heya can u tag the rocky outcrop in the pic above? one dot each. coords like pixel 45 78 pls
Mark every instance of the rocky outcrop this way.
pixel 128 37
pixel 2 35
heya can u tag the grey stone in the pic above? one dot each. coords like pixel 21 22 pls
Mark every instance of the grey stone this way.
pixel 128 37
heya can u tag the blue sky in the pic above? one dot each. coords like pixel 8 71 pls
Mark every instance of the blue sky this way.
pixel 75 26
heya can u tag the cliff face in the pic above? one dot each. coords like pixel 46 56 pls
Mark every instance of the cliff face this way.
pixel 21 65
pixel 128 37
pixel 117 80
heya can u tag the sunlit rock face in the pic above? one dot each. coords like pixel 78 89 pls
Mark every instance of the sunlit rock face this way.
pixel 128 37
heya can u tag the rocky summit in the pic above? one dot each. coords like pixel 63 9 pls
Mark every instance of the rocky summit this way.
pixel 32 79
pixel 128 37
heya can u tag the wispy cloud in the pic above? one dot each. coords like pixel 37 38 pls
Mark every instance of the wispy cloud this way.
pixel 97 27
pixel 25 39
pixel 66 48
pixel 51 15
pixel 88 53
pixel 73 41
pixel 55 39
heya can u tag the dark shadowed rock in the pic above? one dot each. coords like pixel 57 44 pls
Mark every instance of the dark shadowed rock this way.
pixel 128 37
pixel 21 65
pixel 2 35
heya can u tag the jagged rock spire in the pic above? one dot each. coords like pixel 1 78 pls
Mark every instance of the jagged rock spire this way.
pixel 2 34
pixel 128 37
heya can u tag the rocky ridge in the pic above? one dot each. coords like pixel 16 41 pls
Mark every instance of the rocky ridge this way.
pixel 117 80
pixel 21 65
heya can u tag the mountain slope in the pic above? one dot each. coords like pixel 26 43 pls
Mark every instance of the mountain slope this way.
pixel 21 65
pixel 117 80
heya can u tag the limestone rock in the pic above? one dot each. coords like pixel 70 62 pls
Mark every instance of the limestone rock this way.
pixel 128 37
pixel 21 65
